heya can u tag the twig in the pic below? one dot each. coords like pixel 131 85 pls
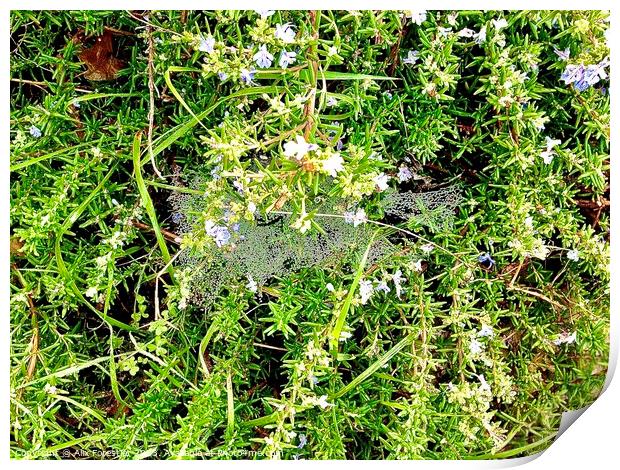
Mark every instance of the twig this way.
pixel 150 68
pixel 43 85
pixel 170 236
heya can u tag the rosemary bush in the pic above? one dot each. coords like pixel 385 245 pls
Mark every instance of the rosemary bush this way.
pixel 304 234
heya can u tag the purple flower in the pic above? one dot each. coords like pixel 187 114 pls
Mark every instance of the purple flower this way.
pixel 222 75
pixel 302 441
pixel 404 174
pixel 263 58
pixel 247 75
pixel 287 58
pixel 485 260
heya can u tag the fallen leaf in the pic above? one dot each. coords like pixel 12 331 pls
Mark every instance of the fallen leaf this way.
pixel 99 59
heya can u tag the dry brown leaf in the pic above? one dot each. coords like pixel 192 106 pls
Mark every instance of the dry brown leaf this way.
pixel 99 59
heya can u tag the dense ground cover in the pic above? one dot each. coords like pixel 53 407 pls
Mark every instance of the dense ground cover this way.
pixel 215 251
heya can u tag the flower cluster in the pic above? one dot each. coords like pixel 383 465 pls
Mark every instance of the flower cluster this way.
pixel 583 77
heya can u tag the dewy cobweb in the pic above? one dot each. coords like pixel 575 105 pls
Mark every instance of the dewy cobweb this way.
pixel 269 247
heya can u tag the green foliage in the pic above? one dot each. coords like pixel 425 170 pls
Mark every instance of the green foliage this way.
pixel 464 309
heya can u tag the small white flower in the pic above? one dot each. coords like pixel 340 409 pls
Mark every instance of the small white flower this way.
pixel 398 279
pixel 485 332
pixel 332 51
pixel 322 402
pixel 344 335
pixel 499 24
pixel 484 385
pixel 475 346
pixel 51 389
pixel 298 148
pixel 330 287
pixel 303 223
pixel 251 207
pixel 466 33
pixel 417 266
pixel 251 285
pixel 381 181
pixel 333 164
pixel 565 338
pixel 91 292
pixel 287 58
pixel 551 142
pixel 529 222
pixel 35 131
pixel 417 16
pixel 382 287
pixel 355 218
pixel 547 156
pixel 366 290
pixel 573 255
pixel 481 36
pixel 331 101
pixel 265 13
pixel 427 248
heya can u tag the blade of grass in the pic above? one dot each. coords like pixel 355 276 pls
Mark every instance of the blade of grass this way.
pixel 148 204
pixel 375 366
pixel 346 306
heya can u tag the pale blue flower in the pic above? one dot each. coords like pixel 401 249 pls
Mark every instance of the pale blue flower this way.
pixel 35 131
pixel 222 236
pixel 206 44
pixel 404 174
pixel 247 75
pixel 331 101
pixel 564 55
pixel 412 57
pixel 263 58
pixel 222 75
pixel 382 287
pixel 302 441
pixel 485 260
pixel 287 58
pixel 285 33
